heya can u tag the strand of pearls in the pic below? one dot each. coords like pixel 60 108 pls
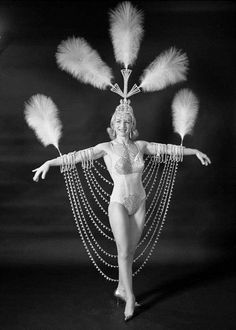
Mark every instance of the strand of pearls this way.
pixel 86 207
pixel 157 217
pixel 148 244
pixel 78 223
pixel 157 193
pixel 148 162
pixel 142 253
pixel 156 207
pixel 89 209
pixel 100 164
pixel 176 154
pixel 151 164
pixel 93 194
pixel 84 225
pixel 102 193
pixel 100 174
pixel 156 168
pixel 73 184
pixel 162 223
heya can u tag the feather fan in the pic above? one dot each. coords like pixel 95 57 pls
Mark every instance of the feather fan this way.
pixel 168 68
pixel 126 32
pixel 184 110
pixel 41 115
pixel 76 57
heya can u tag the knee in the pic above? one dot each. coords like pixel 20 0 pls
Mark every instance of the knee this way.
pixel 125 253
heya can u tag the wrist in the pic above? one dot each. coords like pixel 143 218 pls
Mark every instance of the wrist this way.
pixel 49 162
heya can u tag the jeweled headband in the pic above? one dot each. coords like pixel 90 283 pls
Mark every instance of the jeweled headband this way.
pixel 124 107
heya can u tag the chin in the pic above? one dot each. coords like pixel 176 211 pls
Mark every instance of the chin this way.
pixel 122 134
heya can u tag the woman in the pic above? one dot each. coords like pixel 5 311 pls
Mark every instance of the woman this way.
pixel 124 161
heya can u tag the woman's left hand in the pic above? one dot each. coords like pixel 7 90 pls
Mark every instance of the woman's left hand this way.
pixel 203 158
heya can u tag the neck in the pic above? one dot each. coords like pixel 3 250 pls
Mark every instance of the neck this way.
pixel 122 139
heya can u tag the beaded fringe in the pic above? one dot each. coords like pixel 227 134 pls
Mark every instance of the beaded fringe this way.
pixel 158 186
pixel 69 160
pixel 165 151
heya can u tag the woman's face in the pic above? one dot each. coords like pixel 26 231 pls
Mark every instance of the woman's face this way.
pixel 123 125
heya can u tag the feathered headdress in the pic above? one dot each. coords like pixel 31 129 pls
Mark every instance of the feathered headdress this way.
pixel 78 58
pixel 184 110
pixel 126 29
pixel 84 63
pixel 41 114
pixel 126 33
pixel 168 68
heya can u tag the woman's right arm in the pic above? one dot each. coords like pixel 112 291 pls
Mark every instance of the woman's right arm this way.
pixel 80 156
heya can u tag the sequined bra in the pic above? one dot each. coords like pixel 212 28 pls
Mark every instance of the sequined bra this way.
pixel 127 165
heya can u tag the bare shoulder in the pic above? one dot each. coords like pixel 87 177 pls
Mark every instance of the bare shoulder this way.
pixel 141 144
pixel 104 146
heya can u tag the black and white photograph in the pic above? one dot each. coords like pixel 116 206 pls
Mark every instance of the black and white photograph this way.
pixel 117 153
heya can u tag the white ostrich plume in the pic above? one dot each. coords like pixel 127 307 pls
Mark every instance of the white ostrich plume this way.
pixel 168 68
pixel 41 115
pixel 126 32
pixel 75 56
pixel 184 110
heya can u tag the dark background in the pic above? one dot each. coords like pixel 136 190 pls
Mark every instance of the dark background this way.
pixel 197 247
pixel 36 220
pixel 37 227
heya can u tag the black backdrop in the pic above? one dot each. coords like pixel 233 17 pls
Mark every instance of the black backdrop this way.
pixel 36 221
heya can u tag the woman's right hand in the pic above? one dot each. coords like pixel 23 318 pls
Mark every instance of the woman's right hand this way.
pixel 42 170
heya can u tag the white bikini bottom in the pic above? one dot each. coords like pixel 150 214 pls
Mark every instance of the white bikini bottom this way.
pixel 131 202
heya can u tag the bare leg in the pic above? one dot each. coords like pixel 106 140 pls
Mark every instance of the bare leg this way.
pixel 127 231
pixel 120 286
pixel 120 225
pixel 136 226
pixel 135 231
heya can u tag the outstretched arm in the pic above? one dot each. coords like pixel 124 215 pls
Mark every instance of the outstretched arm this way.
pixel 153 148
pixel 204 159
pixel 80 156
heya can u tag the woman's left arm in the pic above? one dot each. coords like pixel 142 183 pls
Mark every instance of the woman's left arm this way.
pixel 204 159
pixel 159 149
